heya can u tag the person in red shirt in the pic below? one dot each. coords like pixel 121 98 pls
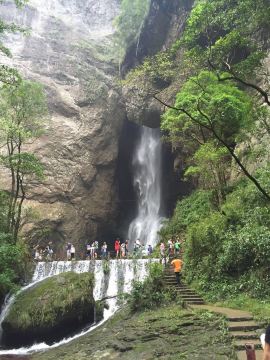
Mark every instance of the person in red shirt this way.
pixel 117 247
pixel 177 264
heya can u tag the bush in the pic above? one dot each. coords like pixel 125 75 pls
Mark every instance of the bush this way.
pixel 226 251
pixel 12 258
pixel 151 292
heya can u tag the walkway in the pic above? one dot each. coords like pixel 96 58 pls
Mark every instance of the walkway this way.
pixel 242 328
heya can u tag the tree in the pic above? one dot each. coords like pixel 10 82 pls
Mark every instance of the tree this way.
pixel 211 163
pixel 22 112
pixel 220 109
pixel 221 35
pixel 9 75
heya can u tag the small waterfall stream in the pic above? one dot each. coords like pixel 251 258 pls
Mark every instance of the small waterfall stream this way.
pixel 118 280
pixel 147 182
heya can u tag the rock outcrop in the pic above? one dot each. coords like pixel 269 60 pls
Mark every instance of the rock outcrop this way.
pixel 69 50
pixel 58 305
pixel 163 26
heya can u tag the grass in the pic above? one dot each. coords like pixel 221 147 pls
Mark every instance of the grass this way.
pixel 168 332
pixel 260 309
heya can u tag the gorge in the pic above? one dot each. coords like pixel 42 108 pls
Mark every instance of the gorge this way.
pixel 70 51
pixel 155 126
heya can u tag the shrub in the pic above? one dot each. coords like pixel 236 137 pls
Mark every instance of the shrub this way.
pixel 151 292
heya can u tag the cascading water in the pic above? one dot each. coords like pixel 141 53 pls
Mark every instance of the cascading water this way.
pixel 117 280
pixel 147 181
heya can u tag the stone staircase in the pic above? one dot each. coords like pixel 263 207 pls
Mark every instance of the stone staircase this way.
pixel 187 295
pixel 242 329
pixel 241 326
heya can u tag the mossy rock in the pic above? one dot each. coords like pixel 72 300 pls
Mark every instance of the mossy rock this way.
pixel 58 305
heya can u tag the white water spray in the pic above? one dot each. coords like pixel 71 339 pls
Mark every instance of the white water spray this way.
pixel 117 281
pixel 147 181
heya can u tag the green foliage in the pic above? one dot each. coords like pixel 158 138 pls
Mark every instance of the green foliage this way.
pixel 46 304
pixel 129 23
pixel 211 164
pixel 150 293
pixel 223 31
pixel 106 267
pixel 226 251
pixel 206 102
pixel 23 109
pixel 187 212
pixel 159 69
pixel 12 259
pixel 9 75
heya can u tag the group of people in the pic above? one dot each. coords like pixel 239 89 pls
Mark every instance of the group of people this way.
pixel 93 248
pixel 41 253
pixel 173 248
pixel 141 250
pixel 94 251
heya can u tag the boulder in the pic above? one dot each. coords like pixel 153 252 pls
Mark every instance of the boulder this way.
pixel 50 310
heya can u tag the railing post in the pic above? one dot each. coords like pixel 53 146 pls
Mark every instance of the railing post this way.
pixel 250 351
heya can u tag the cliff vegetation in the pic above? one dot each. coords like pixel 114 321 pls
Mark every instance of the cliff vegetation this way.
pixel 214 82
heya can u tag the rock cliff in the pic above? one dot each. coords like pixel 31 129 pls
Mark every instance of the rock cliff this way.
pixel 69 50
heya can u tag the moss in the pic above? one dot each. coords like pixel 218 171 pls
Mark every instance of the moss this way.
pixel 167 333
pixel 56 303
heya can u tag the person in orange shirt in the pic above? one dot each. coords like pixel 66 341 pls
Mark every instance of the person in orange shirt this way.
pixel 177 264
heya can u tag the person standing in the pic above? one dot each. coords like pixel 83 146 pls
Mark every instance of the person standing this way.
pixel 117 247
pixel 68 248
pixel 162 253
pixel 177 247
pixel 149 250
pixel 123 250
pixel 104 250
pixel 88 250
pixel 72 252
pixel 126 248
pixel 96 248
pixel 37 254
pixel 92 251
pixel 177 264
pixel 170 247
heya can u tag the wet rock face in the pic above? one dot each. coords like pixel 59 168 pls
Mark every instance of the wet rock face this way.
pixel 163 26
pixel 69 51
pixel 52 309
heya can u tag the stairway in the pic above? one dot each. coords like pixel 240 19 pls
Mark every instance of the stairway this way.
pixel 187 295
pixel 244 330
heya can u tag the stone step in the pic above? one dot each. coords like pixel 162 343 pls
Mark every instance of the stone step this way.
pixel 187 291
pixel 242 325
pixel 244 335
pixel 240 318
pixel 240 344
pixel 190 296
pixel 241 355
pixel 197 302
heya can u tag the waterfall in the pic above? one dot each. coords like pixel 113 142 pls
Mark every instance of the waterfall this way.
pixel 118 280
pixel 147 182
